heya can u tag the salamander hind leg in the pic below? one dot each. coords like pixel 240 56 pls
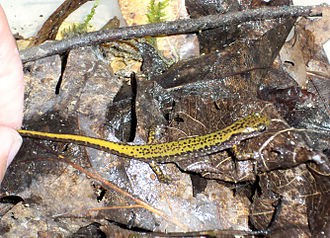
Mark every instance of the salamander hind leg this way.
pixel 163 178
pixel 153 165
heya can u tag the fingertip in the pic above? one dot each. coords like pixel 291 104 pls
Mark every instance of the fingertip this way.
pixel 10 143
pixel 11 78
pixel 15 146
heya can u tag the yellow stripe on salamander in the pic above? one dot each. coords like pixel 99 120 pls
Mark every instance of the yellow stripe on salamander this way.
pixel 192 145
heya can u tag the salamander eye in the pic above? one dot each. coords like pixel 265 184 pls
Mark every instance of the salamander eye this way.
pixel 261 127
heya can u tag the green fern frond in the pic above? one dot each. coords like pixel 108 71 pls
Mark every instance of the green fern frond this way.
pixel 156 11
pixel 90 15
pixel 80 28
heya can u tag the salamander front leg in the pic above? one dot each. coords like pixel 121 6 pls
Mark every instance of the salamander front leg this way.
pixel 154 165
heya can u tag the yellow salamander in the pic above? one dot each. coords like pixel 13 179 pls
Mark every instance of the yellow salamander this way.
pixel 174 151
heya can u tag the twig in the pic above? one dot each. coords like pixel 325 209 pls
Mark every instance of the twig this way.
pixel 165 28
pixel 113 187
pixel 114 208
pixel 264 145
pixel 50 28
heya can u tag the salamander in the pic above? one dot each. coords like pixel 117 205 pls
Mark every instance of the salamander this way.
pixel 174 151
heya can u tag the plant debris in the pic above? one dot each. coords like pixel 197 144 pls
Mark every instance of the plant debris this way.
pixel 274 184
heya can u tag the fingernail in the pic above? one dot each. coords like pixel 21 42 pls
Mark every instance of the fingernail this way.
pixel 14 148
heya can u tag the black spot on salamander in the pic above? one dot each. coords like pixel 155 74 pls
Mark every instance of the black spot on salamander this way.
pixel 208 139
pixel 168 146
pixel 206 147
pixel 237 126
pixel 194 141
pixel 220 137
pixel 146 150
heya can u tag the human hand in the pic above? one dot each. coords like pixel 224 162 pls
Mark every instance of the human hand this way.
pixel 11 96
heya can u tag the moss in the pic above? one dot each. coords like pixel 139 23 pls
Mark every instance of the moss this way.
pixel 80 28
pixel 156 13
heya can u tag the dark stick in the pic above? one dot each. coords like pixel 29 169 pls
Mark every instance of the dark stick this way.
pixel 50 28
pixel 164 28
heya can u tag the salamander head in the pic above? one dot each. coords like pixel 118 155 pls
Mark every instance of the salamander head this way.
pixel 255 122
pixel 252 123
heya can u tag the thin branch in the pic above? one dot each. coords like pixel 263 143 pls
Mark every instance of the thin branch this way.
pixel 165 28
pixel 139 203
pixel 50 28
